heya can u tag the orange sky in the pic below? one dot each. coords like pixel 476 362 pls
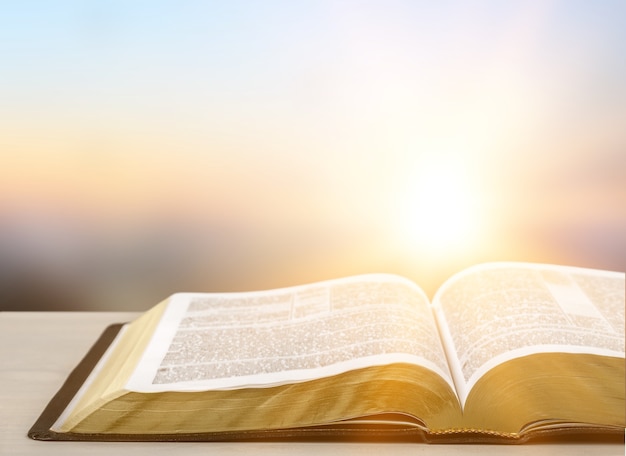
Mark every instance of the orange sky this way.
pixel 247 146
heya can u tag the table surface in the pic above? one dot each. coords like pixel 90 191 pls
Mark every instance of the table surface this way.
pixel 39 349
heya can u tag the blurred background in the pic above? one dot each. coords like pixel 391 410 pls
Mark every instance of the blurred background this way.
pixel 150 147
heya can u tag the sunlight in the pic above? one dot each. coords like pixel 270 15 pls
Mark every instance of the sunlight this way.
pixel 439 214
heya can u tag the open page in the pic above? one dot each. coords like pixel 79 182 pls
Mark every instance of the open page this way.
pixel 262 339
pixel 496 312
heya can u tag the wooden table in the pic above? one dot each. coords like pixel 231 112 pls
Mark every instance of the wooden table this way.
pixel 39 349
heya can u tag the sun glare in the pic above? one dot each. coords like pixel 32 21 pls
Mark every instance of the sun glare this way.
pixel 439 214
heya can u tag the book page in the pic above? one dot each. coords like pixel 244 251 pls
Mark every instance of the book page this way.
pixel 496 312
pixel 269 338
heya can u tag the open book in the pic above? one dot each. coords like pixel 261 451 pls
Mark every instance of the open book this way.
pixel 503 352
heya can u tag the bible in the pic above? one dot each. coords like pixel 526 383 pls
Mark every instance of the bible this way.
pixel 503 352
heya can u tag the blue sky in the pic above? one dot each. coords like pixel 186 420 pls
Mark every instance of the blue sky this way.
pixel 316 123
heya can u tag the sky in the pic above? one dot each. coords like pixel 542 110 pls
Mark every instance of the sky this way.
pixel 155 147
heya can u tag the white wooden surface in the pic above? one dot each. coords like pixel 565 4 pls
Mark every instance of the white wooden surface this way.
pixel 39 349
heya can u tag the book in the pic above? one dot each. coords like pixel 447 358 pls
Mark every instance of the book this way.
pixel 504 352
